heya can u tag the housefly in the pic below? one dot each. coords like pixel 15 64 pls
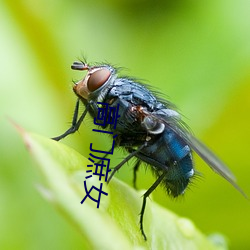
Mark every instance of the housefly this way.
pixel 149 128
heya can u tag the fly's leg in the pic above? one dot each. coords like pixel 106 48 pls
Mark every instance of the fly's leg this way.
pixel 136 167
pixel 145 196
pixel 75 123
pixel 127 158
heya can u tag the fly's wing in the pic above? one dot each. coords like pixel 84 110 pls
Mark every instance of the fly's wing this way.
pixel 175 124
pixel 212 160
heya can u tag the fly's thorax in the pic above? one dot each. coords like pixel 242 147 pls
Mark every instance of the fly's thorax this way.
pixel 95 84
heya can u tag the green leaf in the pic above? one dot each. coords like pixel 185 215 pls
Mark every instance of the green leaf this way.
pixel 115 225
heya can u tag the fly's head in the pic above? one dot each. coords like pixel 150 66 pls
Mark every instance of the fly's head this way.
pixel 93 85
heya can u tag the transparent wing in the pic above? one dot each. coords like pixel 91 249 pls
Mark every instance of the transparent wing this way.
pixel 175 124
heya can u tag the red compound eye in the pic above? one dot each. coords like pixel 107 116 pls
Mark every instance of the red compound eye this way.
pixel 97 79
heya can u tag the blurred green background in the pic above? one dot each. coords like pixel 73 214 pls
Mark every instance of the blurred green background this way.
pixel 196 53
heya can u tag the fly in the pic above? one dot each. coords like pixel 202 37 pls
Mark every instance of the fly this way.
pixel 149 128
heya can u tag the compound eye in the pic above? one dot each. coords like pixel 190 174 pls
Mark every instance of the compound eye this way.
pixel 97 79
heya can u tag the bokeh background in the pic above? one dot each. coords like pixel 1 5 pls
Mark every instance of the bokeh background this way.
pixel 195 52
